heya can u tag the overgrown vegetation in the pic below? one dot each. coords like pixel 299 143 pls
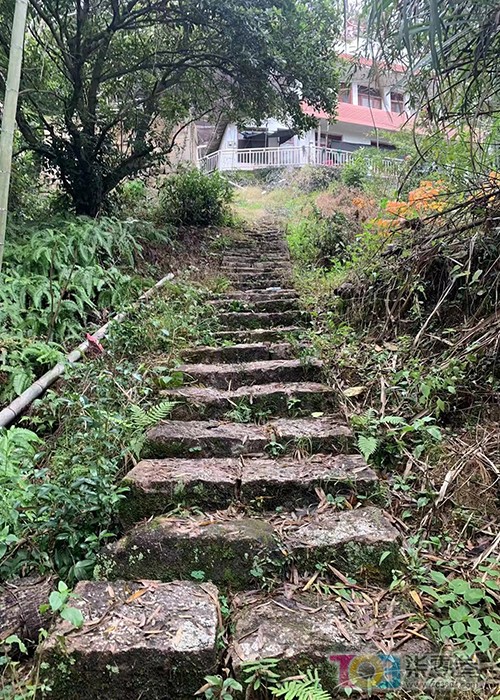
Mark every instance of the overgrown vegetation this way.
pixel 108 88
pixel 190 198
pixel 60 490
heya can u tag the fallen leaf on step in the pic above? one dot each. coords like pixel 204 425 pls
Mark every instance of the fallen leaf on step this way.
pixel 354 391
pixel 137 594
pixel 416 599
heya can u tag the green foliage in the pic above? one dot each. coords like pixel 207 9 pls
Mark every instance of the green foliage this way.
pixel 55 276
pixel 59 500
pixel 58 603
pixel 306 687
pixel 446 41
pixel 386 438
pixel 247 412
pixel 115 104
pixel 261 674
pixel 22 360
pixel 355 173
pixel 142 420
pixel 466 610
pixel 190 198
pixel 320 240
pixel 313 178
pixel 57 279
pixel 217 688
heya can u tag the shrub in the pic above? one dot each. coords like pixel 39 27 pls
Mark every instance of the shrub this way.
pixel 355 173
pixel 314 178
pixel 190 198
pixel 328 231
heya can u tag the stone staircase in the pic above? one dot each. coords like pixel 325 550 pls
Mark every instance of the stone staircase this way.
pixel 247 477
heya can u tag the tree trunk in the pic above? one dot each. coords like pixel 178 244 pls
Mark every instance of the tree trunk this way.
pixel 9 112
pixel 20 601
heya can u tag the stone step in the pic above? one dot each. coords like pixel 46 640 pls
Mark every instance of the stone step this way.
pixel 215 439
pixel 258 284
pixel 244 352
pixel 239 552
pixel 256 257
pixel 274 304
pixel 301 631
pixel 239 320
pixel 253 402
pixel 256 296
pixel 158 486
pixel 139 640
pixel 232 376
pixel 260 249
pixel 260 335
pixel 256 266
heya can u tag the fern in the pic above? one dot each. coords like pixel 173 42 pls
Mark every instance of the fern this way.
pixel 307 687
pixel 142 420
pixel 367 445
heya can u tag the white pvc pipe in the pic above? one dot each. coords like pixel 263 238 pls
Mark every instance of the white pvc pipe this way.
pixel 16 407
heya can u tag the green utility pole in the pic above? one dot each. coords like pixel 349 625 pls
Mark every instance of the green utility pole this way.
pixel 9 112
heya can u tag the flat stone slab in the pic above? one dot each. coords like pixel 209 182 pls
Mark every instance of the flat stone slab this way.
pixel 242 352
pixel 362 542
pixel 258 295
pixel 139 640
pixel 234 551
pixel 275 304
pixel 222 550
pixel 204 439
pixel 215 439
pixel 260 335
pixel 159 485
pixel 231 376
pixel 261 319
pixel 292 483
pixel 264 399
pixel 325 434
pixel 301 632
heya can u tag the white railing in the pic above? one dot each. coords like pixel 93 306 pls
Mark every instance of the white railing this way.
pixel 255 158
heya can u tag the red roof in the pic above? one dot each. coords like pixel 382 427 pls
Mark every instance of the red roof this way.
pixel 363 116
pixel 396 67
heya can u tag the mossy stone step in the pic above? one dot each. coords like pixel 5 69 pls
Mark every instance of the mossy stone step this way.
pixel 159 485
pixel 253 402
pixel 139 640
pixel 275 304
pixel 301 632
pixel 227 376
pixel 256 266
pixel 258 295
pixel 238 551
pixel 255 284
pixel 255 274
pixel 260 335
pixel 262 319
pixel 215 439
pixel 242 352
pixel 250 257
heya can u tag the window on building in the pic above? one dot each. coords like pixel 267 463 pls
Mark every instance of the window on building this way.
pixel 368 97
pixel 345 93
pixel 333 140
pixel 397 103
pixel 381 144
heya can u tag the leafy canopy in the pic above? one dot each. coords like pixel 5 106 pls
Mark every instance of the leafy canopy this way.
pixel 106 83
